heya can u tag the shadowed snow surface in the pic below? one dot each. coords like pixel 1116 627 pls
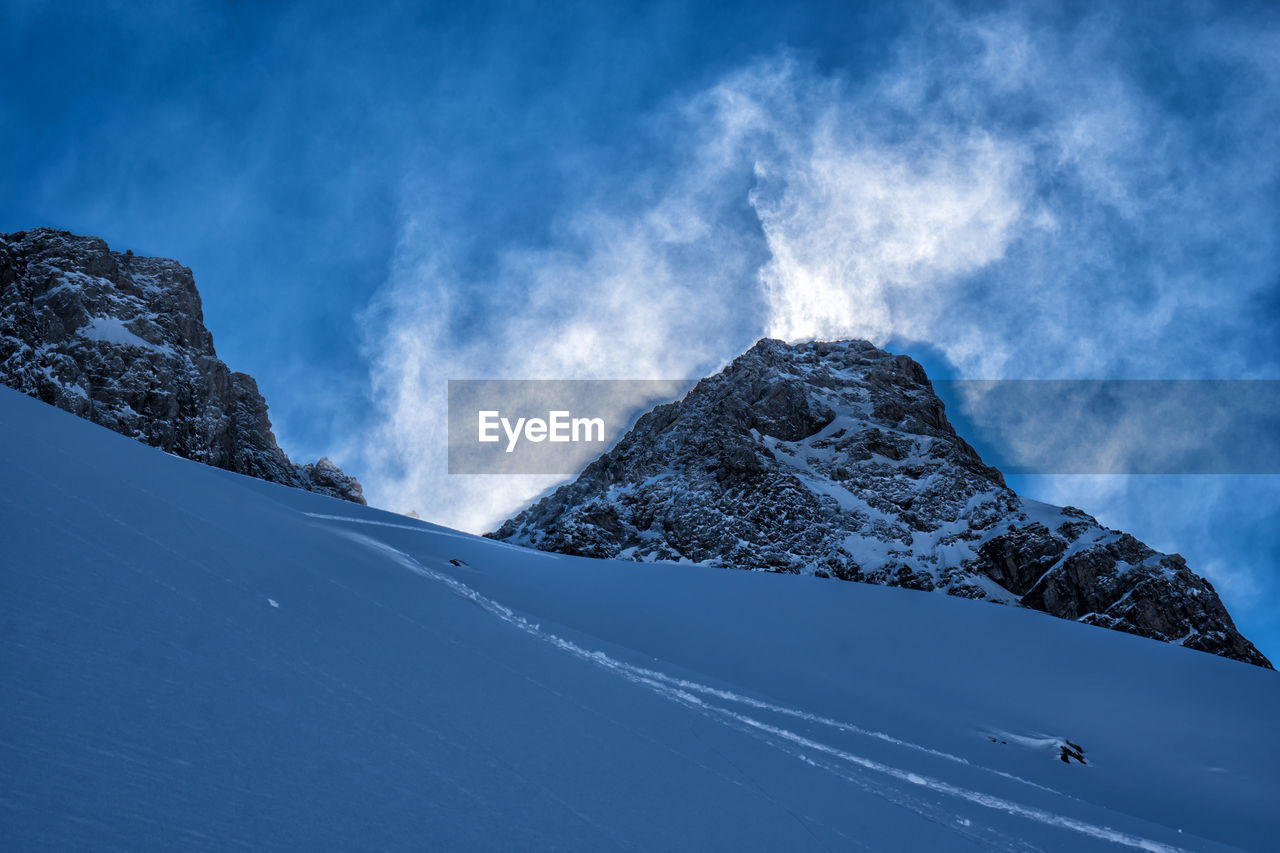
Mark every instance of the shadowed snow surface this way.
pixel 193 659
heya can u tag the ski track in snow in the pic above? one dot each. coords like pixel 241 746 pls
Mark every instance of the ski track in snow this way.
pixel 422 527
pixel 691 694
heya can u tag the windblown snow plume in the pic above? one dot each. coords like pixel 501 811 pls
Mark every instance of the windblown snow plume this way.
pixel 1014 195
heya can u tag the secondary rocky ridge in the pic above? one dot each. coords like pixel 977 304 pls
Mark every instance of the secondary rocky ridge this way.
pixel 120 340
pixel 837 460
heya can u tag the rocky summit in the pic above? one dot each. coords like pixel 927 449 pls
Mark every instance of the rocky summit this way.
pixel 120 340
pixel 837 460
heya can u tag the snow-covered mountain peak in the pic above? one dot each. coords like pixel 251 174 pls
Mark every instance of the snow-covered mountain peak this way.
pixel 836 459
pixel 120 339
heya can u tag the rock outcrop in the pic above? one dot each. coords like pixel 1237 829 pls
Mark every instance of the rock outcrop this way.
pixel 120 340
pixel 837 460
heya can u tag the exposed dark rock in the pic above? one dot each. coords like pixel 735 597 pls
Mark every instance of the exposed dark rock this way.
pixel 120 340
pixel 837 460
pixel 325 477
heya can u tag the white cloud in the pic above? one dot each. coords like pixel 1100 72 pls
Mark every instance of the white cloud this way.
pixel 855 231
pixel 1004 191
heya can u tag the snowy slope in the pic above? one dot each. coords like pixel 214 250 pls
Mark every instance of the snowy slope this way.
pixel 193 659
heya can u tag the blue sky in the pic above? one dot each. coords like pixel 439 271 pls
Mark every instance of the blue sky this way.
pixel 375 200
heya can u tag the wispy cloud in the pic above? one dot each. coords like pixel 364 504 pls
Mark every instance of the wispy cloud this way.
pixel 1030 198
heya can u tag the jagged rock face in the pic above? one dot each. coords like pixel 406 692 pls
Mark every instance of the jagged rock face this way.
pixel 325 477
pixel 837 459
pixel 120 340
